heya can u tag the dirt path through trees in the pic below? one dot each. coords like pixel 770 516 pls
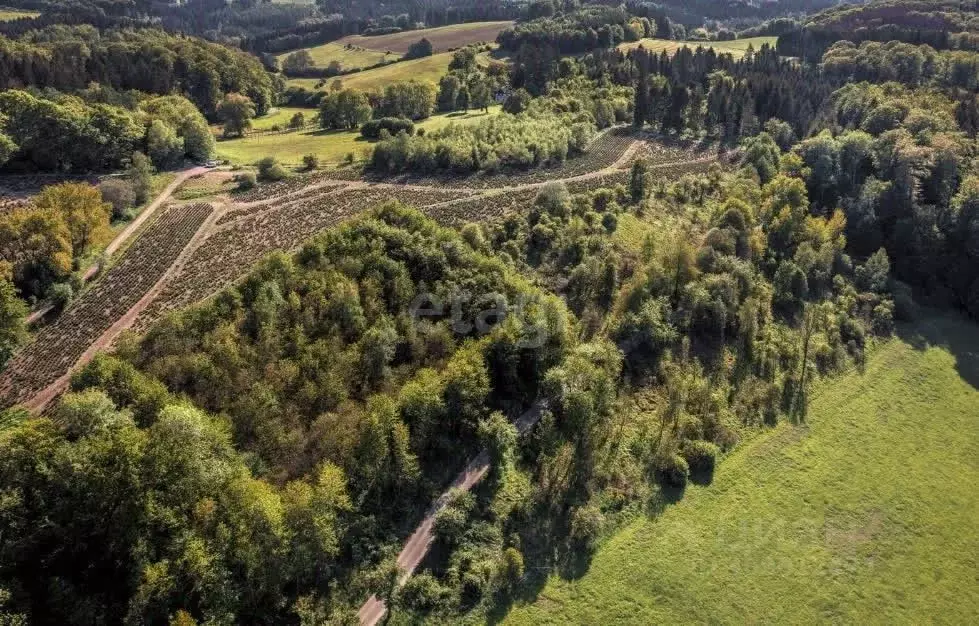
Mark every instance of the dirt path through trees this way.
pixel 417 546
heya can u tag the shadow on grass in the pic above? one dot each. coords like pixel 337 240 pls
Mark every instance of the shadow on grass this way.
pixel 948 330
pixel 702 477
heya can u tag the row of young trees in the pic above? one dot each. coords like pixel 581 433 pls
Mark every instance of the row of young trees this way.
pixel 532 131
pixel 498 143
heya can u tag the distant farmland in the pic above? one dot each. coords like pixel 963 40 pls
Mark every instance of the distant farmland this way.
pixel 7 15
pixel 442 38
pixel 735 48
pixel 356 51
pixel 424 70
pixel 349 58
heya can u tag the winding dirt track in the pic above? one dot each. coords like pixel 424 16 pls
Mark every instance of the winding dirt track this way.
pixel 214 224
pixel 55 389
pixel 416 548
pixel 128 231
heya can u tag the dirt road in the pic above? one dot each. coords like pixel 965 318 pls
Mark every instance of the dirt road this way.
pixel 145 214
pixel 38 403
pixel 212 226
pixel 416 547
pixel 128 231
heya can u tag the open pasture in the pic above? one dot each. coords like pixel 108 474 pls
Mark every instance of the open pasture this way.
pixel 331 146
pixel 442 37
pixel 864 514
pixel 425 70
pixel 736 48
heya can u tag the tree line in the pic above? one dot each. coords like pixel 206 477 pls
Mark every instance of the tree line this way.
pixel 69 58
pixel 51 131
pixel 941 24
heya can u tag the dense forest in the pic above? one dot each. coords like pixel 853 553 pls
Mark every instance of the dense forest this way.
pixel 261 455
pixel 942 24
pixel 152 61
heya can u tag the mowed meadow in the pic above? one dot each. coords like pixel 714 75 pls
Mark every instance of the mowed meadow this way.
pixel 442 37
pixel 331 146
pixel 866 513
pixel 736 48
pixel 424 70
pixel 358 51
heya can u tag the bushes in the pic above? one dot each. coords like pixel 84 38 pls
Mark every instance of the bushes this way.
pixel 394 125
pixel 501 142
pixel 423 594
pixel 700 456
pixel 419 49
pixel 61 295
pixel 586 526
pixel 120 194
pixel 270 170
pixel 310 161
pixel 673 470
pixel 246 180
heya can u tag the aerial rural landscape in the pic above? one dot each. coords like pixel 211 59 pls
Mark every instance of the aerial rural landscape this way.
pixel 456 312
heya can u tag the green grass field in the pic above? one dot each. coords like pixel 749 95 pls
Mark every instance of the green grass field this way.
pixel 329 146
pixel 349 58
pixel 428 70
pixel 280 116
pixel 866 515
pixel 369 51
pixel 736 48
pixel 442 37
pixel 7 15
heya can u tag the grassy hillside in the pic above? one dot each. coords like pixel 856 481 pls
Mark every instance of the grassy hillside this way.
pixel 357 51
pixel 13 14
pixel 867 514
pixel 280 116
pixel 348 58
pixel 442 37
pixel 329 146
pixel 428 69
pixel 736 48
